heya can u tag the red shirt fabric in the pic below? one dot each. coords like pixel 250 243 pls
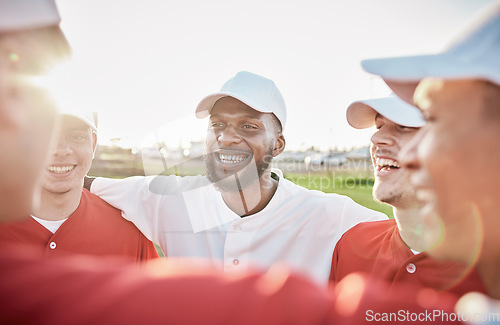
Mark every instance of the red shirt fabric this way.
pixel 377 249
pixel 83 290
pixel 95 228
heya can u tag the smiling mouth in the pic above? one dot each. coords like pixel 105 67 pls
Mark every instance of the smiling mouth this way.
pixel 386 164
pixel 60 169
pixel 231 159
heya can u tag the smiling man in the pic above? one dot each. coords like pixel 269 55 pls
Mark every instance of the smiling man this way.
pixel 242 143
pixel 453 161
pixel 392 250
pixel 85 290
pixel 68 218
pixel 243 214
pixel 90 290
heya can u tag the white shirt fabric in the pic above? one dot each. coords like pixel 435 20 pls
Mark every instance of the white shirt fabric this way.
pixel 186 216
pixel 51 225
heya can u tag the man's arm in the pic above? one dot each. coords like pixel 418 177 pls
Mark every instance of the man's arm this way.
pixel 143 200
pixel 133 197
pixel 354 213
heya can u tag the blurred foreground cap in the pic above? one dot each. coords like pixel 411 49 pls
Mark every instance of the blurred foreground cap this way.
pixel 474 54
pixel 34 40
pixel 27 14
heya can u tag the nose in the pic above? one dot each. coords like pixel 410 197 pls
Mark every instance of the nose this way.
pixel 408 156
pixel 61 147
pixel 229 136
pixel 382 137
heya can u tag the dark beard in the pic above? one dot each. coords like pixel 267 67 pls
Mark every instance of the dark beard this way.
pixel 234 182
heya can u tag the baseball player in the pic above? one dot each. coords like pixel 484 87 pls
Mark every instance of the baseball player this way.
pixel 453 161
pixel 19 60
pixel 84 290
pixel 73 289
pixel 69 219
pixel 393 250
pixel 243 213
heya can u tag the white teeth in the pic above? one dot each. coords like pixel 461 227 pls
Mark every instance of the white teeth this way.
pixel 385 162
pixel 231 159
pixel 60 170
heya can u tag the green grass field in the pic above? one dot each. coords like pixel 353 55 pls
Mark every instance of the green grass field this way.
pixel 359 189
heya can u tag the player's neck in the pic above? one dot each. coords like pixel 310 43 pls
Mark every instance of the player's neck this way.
pixel 410 227
pixel 252 198
pixel 57 206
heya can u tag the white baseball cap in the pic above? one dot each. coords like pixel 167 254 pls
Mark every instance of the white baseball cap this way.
pixel 256 91
pixel 474 54
pixel 46 44
pixel 27 14
pixel 361 114
pixel 90 118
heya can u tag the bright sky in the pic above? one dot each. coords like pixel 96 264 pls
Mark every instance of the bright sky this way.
pixel 144 65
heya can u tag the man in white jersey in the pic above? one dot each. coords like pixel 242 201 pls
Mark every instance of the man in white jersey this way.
pixel 242 214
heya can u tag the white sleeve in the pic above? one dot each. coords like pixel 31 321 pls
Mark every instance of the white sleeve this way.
pixel 133 196
pixel 354 213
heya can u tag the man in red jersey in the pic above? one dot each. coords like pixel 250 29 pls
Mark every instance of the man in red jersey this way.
pixel 453 161
pixel 69 219
pixel 84 290
pixel 393 250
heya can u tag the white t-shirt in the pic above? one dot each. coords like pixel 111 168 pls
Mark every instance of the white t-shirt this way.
pixel 187 216
pixel 51 225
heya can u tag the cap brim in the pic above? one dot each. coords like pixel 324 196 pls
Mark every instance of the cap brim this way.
pixel 361 114
pixel 206 104
pixel 402 74
pixel 18 15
